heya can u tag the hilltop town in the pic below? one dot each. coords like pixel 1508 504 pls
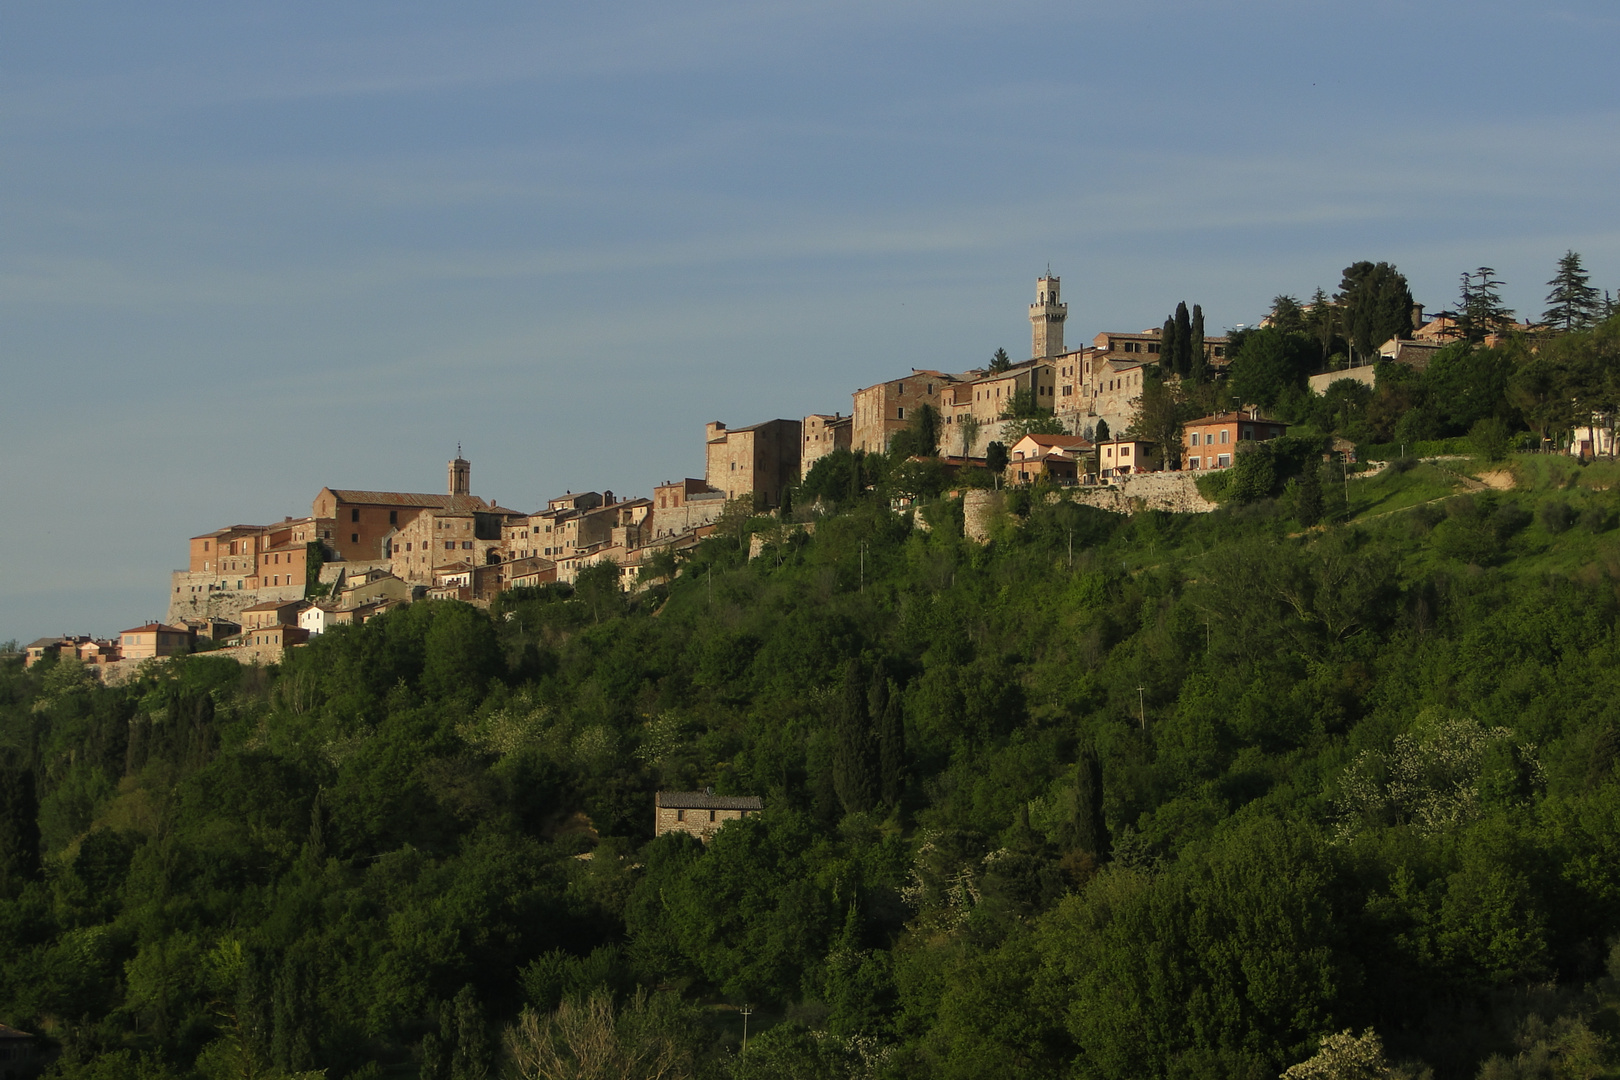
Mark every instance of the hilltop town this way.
pixel 259 589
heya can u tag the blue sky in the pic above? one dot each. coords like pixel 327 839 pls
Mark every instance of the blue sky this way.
pixel 250 250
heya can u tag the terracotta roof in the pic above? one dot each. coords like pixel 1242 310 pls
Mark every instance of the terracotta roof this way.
pixel 456 503
pixel 703 800
pixel 1234 418
pixel 229 529
pixel 9 1032
pixel 1058 440
pixel 272 605
pixel 156 626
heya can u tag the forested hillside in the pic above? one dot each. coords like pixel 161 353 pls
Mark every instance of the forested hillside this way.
pixel 1110 797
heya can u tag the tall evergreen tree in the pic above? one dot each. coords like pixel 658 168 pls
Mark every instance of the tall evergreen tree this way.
pixel 1308 500
pixel 1480 310
pixel 1196 366
pixel 1322 322
pixel 1090 829
pixel 1287 315
pixel 855 765
pixel 1573 303
pixel 888 712
pixel 1000 361
pixel 19 825
pixel 1377 305
pixel 1183 340
pixel 1168 349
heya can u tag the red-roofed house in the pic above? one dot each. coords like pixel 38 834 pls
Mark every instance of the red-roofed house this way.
pixel 1210 441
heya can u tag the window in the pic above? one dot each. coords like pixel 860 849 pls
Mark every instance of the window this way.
pixel 1223 460
pixel 449 545
pixel 1194 438
pixel 354 538
pixel 354 515
pixel 393 517
pixel 1248 433
pixel 900 388
pixel 1124 451
pixel 680 815
pixel 1224 435
pixel 466 545
pixel 1192 463
pixel 1068 391
pixel 900 413
pixel 1153 349
pixel 930 388
pixel 407 545
pixel 711 815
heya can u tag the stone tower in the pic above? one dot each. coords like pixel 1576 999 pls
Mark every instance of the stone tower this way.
pixel 1046 317
pixel 460 474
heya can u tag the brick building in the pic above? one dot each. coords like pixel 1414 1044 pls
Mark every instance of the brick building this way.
pixel 1210 441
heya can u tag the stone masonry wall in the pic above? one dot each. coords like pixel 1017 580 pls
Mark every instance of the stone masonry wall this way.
pixel 1176 492
pixel 209 596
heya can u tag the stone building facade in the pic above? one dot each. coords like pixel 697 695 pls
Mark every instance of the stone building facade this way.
pixel 822 434
pixel 700 813
pixel 1046 318
pixel 760 460
pixel 884 409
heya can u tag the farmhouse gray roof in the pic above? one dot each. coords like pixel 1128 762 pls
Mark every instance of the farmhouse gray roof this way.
pixel 703 800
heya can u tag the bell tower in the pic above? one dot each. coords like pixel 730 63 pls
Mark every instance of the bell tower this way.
pixel 460 474
pixel 1046 317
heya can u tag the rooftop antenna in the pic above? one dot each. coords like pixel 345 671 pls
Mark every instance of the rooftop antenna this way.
pixel 458 449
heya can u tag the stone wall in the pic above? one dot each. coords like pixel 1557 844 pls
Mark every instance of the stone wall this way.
pixel 210 596
pixel 1176 492
pixel 979 508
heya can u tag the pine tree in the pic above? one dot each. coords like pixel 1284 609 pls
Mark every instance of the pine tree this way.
pixel 1321 322
pixel 1090 829
pixel 1376 303
pixel 1480 310
pixel 1000 362
pixel 1573 303
pixel 1102 434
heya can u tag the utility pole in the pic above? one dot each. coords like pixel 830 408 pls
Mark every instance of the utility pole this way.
pixel 746 1011
pixel 1141 705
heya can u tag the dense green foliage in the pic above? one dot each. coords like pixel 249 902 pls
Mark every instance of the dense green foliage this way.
pixel 1111 797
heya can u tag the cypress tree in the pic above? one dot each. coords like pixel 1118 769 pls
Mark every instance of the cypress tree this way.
pixel 19 825
pixel 1195 346
pixel 855 774
pixel 891 744
pixel 1308 503
pixel 1168 349
pixel 1183 340
pixel 1090 830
